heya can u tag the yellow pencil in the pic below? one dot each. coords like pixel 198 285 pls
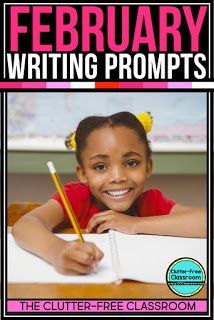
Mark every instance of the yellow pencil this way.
pixel 65 200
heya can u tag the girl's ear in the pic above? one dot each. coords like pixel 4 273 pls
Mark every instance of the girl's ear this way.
pixel 81 174
pixel 149 167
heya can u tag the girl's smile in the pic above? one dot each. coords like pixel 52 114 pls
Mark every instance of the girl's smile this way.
pixel 117 193
pixel 115 167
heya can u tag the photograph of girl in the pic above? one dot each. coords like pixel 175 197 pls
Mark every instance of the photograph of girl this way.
pixel 114 161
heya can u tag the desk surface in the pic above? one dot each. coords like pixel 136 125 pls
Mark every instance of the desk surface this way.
pixel 127 290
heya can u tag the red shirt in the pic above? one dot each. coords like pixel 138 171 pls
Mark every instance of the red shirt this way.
pixel 150 203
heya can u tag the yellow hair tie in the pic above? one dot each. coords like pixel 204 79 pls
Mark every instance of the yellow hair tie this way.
pixel 73 144
pixel 146 120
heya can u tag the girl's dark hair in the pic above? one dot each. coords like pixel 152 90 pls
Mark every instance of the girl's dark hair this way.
pixel 89 124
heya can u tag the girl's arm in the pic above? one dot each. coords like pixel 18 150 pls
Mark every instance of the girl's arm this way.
pixel 33 232
pixel 181 221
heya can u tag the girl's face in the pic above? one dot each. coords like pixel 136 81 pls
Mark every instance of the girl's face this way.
pixel 115 167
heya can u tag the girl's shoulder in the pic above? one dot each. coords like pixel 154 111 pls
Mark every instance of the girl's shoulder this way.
pixel 154 202
pixel 77 189
pixel 151 193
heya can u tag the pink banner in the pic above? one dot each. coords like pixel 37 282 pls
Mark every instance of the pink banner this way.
pixel 140 306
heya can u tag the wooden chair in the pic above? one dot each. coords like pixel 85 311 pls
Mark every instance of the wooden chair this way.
pixel 17 209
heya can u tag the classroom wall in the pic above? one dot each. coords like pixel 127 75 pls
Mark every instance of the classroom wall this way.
pixel 190 190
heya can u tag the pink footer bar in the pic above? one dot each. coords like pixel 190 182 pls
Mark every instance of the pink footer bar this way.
pixel 165 306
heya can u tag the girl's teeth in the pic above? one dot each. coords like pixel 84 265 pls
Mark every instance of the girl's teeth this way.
pixel 118 192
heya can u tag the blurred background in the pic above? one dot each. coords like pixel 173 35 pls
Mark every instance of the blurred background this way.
pixel 39 121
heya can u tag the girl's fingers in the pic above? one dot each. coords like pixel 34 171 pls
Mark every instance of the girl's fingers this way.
pixel 95 221
pixel 85 253
pixel 84 258
pixel 103 227
pixel 98 254
pixel 73 267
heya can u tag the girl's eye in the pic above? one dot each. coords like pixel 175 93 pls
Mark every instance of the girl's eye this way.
pixel 132 163
pixel 100 167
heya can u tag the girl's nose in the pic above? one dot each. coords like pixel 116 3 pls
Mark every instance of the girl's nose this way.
pixel 117 175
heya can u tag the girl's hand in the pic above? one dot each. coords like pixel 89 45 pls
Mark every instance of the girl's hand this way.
pixel 75 257
pixel 112 220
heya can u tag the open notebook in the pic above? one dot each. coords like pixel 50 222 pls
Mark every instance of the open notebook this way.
pixel 143 258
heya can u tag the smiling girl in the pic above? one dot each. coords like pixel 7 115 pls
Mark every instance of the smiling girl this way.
pixel 113 162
